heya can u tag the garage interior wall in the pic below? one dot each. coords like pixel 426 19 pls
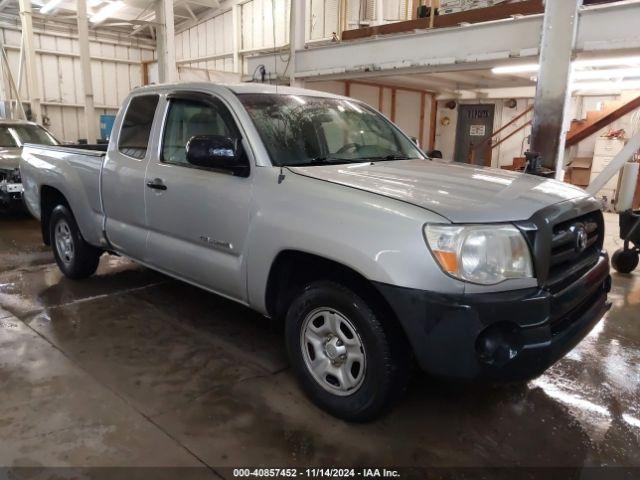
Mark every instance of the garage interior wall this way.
pixel 209 44
pixel 324 20
pixel 407 116
pixel 404 107
pixel 115 69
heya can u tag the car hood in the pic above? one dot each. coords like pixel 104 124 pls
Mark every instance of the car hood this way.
pixel 9 158
pixel 461 193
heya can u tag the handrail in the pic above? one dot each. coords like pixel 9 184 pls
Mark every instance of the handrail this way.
pixel 489 139
pixel 511 134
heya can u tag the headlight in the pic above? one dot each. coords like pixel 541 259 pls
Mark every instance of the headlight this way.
pixel 485 254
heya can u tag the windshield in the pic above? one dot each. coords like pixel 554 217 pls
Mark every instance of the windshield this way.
pixel 13 136
pixel 305 130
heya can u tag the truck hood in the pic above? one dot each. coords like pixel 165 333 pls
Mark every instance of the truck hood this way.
pixel 461 193
pixel 9 158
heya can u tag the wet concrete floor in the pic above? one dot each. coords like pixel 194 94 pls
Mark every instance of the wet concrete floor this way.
pixel 132 368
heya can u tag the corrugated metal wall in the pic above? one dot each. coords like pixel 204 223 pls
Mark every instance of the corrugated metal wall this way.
pixel 325 15
pixel 212 39
pixel 115 68
pixel 209 45
pixel 257 24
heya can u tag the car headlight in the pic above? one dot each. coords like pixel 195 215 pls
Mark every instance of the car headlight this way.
pixel 485 254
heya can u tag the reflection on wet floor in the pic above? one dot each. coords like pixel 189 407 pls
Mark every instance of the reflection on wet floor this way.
pixel 129 363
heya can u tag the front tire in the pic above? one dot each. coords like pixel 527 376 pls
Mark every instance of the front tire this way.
pixel 347 360
pixel 75 257
pixel 624 261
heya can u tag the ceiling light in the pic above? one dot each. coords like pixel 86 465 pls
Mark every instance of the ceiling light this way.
pixel 49 6
pixel 606 62
pixel 577 65
pixel 608 73
pixel 523 68
pixel 607 86
pixel 105 12
pixel 94 3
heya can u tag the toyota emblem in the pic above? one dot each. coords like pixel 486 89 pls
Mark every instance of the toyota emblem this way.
pixel 581 240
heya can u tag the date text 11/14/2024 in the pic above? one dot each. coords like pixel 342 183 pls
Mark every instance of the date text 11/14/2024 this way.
pixel 316 473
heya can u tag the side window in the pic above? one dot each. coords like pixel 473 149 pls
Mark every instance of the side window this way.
pixel 136 127
pixel 187 118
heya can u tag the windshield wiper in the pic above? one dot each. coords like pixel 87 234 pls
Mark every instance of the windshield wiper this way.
pixel 383 158
pixel 327 160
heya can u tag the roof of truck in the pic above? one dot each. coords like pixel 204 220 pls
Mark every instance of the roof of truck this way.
pixel 239 88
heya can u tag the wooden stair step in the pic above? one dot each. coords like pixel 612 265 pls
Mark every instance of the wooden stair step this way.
pixel 597 119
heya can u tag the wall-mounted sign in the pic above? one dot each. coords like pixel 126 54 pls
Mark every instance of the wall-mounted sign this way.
pixel 477 130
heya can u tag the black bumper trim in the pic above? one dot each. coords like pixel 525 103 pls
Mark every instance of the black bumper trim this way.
pixel 444 330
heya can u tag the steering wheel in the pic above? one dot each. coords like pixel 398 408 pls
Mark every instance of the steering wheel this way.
pixel 349 146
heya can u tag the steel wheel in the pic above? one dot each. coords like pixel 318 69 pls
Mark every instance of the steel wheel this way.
pixel 333 351
pixel 64 241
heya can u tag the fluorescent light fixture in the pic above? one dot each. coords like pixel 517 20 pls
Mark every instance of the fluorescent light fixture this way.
pixel 94 3
pixel 608 73
pixel 49 6
pixel 105 12
pixel 523 68
pixel 606 86
pixel 606 62
pixel 577 65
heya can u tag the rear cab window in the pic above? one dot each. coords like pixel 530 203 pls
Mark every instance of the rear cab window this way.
pixel 135 132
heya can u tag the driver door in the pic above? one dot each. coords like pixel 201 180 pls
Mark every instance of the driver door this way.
pixel 198 218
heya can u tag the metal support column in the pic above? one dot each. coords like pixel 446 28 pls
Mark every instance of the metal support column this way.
pixel 379 12
pixel 559 29
pixel 90 123
pixel 165 41
pixel 236 28
pixel 30 59
pixel 297 28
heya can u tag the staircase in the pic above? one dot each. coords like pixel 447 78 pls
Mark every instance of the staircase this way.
pixel 598 119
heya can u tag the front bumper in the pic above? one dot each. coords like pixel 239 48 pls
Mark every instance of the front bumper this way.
pixel 506 336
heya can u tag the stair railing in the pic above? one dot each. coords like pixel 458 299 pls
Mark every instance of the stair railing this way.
pixel 489 139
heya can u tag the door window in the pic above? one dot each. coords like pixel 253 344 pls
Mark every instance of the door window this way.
pixel 136 127
pixel 187 118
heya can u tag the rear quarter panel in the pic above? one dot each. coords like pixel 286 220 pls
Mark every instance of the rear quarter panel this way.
pixel 76 174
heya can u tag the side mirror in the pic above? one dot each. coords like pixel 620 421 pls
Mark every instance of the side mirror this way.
pixel 217 152
pixel 435 154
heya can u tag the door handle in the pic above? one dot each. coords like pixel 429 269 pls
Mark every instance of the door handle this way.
pixel 156 184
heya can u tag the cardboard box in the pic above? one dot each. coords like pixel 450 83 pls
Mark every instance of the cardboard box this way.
pixel 579 172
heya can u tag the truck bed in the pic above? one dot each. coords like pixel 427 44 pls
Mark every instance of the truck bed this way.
pixel 73 171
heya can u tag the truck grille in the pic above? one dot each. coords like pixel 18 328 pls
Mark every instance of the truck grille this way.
pixel 575 247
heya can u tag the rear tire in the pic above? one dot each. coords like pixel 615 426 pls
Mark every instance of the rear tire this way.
pixel 75 257
pixel 624 261
pixel 346 359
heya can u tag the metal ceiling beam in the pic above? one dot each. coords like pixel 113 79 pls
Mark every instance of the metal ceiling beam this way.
pixel 188 9
pixel 607 27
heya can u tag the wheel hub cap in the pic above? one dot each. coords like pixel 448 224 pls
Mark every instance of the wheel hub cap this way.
pixel 333 351
pixel 64 241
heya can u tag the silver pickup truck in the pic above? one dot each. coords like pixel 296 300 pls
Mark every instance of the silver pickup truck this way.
pixel 315 209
